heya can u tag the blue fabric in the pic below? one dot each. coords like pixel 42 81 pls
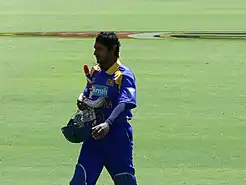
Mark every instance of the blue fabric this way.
pixel 115 154
pixel 114 90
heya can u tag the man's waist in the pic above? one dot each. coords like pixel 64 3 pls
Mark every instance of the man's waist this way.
pixel 103 116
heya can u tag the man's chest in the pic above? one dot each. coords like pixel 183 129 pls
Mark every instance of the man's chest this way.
pixel 104 86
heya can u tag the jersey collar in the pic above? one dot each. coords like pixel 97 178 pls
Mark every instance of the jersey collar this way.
pixel 113 68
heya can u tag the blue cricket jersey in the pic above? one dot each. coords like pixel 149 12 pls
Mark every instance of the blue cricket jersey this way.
pixel 117 85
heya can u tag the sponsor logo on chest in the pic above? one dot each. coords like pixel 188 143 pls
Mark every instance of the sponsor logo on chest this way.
pixel 99 90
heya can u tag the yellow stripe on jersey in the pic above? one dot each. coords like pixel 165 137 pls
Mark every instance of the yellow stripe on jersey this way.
pixel 114 68
pixel 118 78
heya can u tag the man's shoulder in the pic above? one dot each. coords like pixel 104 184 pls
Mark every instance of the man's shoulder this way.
pixel 126 71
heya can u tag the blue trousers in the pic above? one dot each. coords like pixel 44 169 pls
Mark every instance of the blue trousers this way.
pixel 114 152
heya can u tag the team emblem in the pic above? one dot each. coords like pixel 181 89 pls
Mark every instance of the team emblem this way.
pixel 110 82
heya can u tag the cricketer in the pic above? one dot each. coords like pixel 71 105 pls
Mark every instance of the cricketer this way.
pixel 111 142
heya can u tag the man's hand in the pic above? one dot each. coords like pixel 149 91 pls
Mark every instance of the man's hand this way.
pixel 99 131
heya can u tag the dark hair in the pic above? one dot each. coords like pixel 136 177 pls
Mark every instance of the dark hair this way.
pixel 109 39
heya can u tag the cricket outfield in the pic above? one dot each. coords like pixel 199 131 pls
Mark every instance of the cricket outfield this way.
pixel 190 124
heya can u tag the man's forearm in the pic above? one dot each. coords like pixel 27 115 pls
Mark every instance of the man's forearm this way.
pixel 119 109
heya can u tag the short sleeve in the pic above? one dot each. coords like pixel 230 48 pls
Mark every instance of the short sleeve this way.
pixel 127 91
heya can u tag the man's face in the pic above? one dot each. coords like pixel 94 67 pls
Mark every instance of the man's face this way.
pixel 101 53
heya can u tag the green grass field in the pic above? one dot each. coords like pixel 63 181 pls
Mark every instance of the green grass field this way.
pixel 190 125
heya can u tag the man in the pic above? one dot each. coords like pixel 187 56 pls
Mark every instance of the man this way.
pixel 111 141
